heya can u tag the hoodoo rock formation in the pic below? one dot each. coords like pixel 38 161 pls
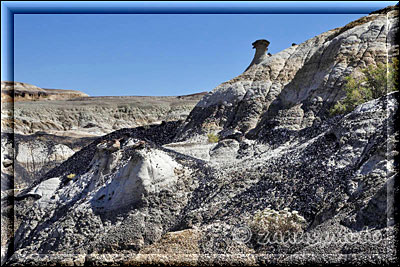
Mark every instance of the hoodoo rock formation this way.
pixel 164 194
pixel 261 47
pixel 294 89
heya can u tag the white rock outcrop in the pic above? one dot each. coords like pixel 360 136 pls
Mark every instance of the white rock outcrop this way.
pixel 149 173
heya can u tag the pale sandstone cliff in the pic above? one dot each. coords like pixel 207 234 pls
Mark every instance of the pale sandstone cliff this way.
pixel 18 91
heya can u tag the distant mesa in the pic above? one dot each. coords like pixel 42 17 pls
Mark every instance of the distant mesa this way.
pixel 75 114
pixel 193 95
pixel 19 91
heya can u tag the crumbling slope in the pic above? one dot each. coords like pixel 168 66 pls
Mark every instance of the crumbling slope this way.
pixel 294 88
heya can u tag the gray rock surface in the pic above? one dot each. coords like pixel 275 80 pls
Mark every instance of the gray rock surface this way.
pixel 48 132
pixel 294 88
pixel 163 194
pixel 25 158
pixel 337 176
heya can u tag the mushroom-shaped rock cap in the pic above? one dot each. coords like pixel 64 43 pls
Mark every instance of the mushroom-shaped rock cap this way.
pixel 261 47
pixel 261 42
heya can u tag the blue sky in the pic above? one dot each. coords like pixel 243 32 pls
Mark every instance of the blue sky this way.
pixel 143 54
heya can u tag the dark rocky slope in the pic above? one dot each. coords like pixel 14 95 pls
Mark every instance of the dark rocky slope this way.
pixel 136 196
pixel 338 176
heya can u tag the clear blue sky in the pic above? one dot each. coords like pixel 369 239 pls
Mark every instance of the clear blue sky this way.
pixel 163 54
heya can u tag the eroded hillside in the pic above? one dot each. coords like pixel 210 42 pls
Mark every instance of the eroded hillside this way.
pixel 293 89
pixel 94 116
pixel 165 194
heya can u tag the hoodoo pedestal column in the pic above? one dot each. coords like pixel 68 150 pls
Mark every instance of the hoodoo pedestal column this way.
pixel 261 47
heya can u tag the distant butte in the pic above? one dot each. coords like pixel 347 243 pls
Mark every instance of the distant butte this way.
pixel 19 91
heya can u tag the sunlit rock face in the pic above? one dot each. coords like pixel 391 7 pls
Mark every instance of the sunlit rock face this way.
pixel 19 91
pixel 160 193
pixel 294 88
pixel 145 173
